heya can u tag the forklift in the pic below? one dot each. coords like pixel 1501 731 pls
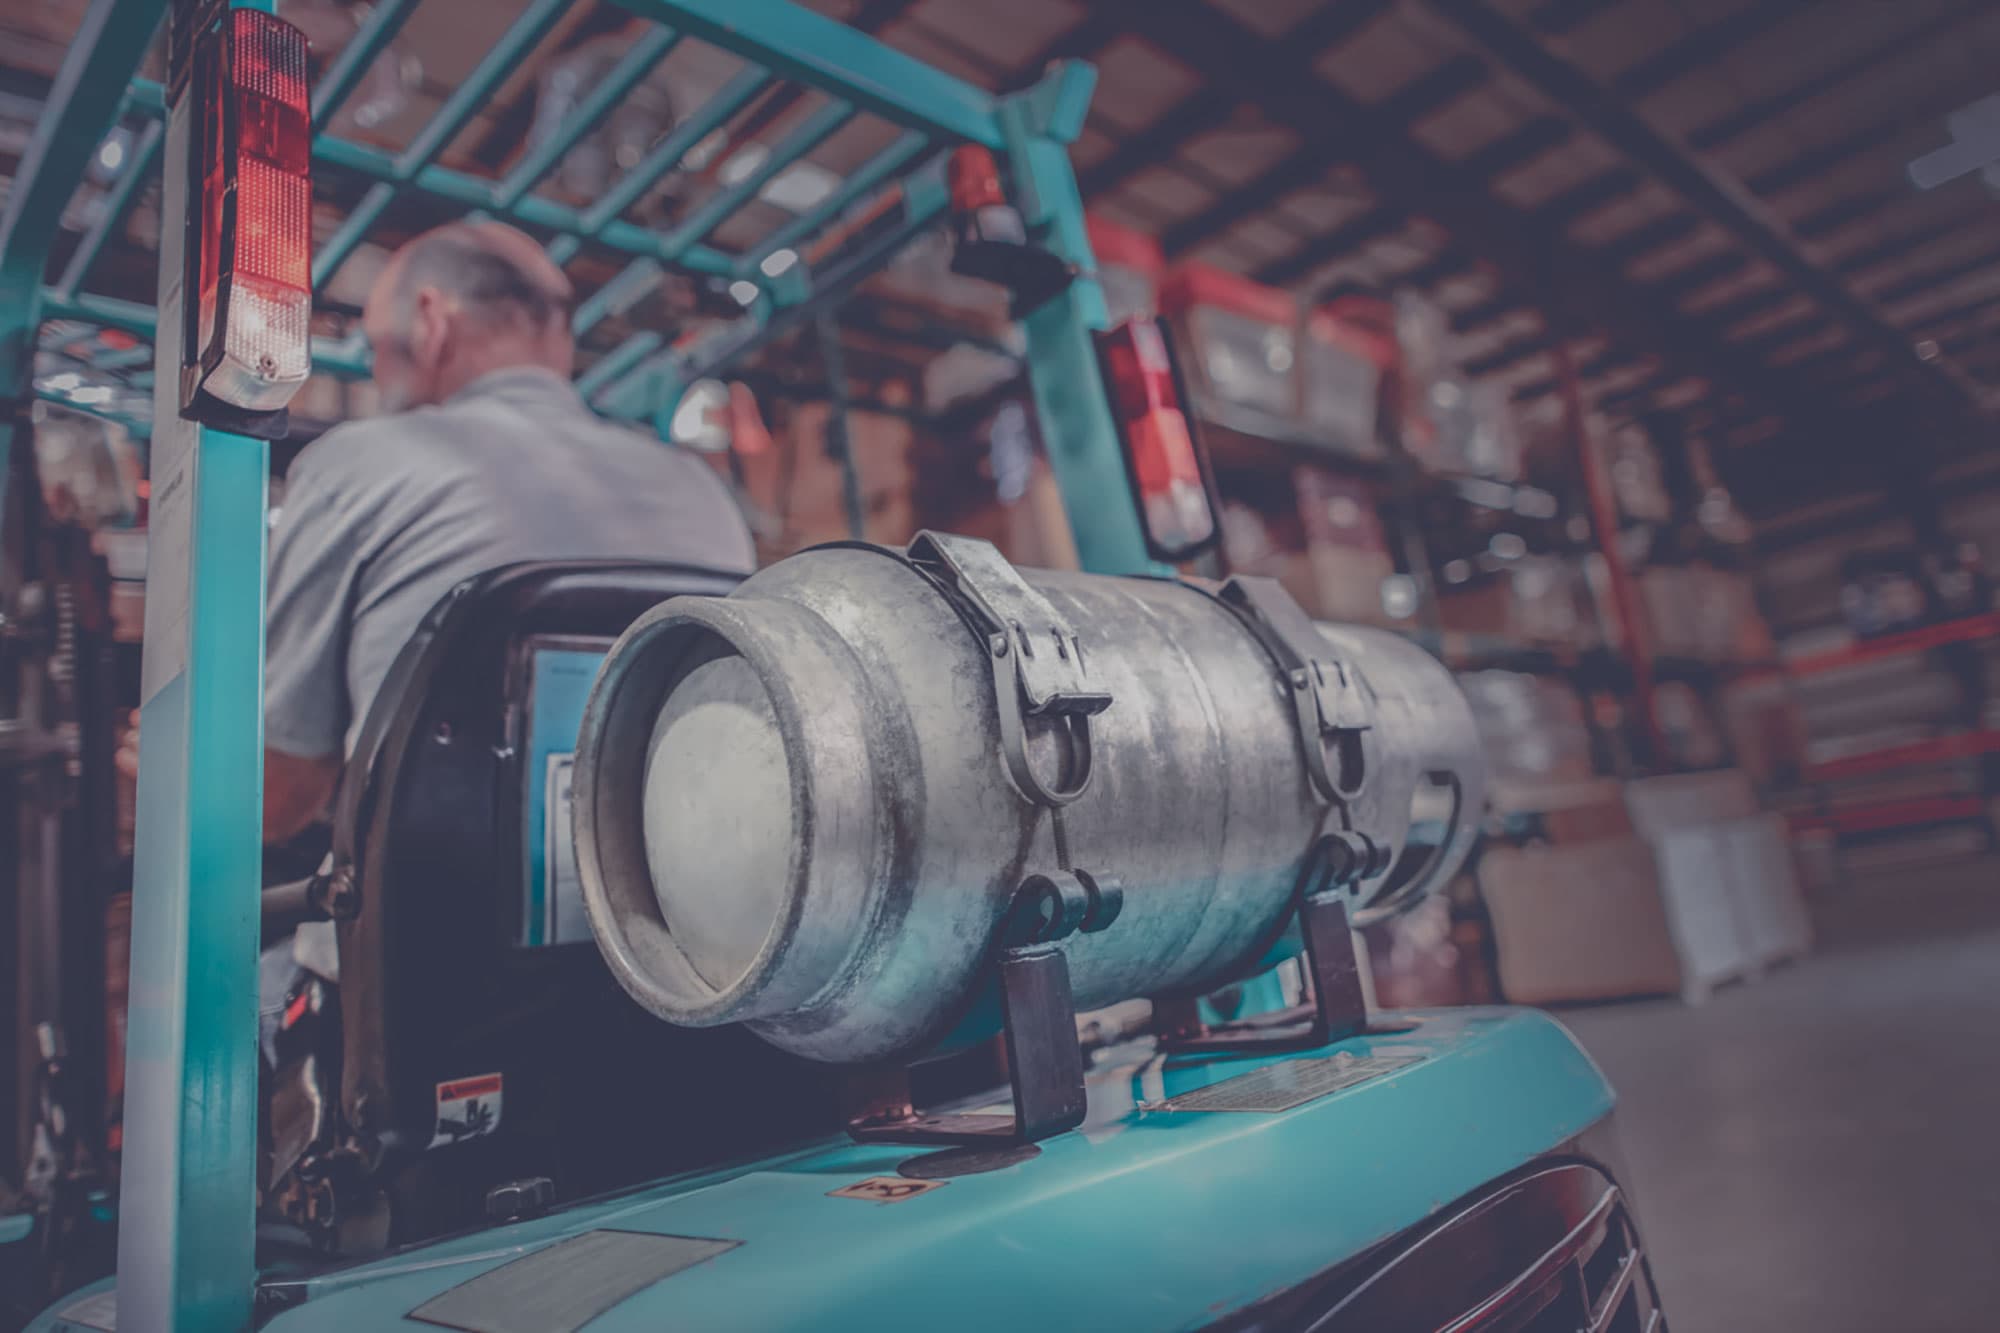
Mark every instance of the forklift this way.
pixel 515 1107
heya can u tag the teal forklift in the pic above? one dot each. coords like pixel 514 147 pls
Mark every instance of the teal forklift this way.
pixel 548 1086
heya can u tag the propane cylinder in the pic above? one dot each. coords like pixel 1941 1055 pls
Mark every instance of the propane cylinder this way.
pixel 808 806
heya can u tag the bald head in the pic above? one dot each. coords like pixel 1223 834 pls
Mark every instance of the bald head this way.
pixel 459 302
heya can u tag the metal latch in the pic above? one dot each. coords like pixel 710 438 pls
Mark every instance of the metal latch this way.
pixel 1038 666
pixel 1330 696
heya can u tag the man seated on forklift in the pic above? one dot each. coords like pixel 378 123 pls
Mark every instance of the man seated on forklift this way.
pixel 485 455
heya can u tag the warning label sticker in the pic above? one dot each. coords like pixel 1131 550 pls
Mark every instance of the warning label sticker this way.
pixel 467 1108
pixel 886 1189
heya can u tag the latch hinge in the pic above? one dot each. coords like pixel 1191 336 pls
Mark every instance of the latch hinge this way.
pixel 1330 696
pixel 1038 663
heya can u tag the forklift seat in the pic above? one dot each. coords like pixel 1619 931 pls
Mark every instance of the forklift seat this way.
pixel 475 1045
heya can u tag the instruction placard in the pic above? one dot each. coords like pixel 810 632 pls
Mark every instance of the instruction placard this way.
pixel 467 1108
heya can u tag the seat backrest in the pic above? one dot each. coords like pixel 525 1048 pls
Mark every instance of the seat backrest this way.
pixel 482 1038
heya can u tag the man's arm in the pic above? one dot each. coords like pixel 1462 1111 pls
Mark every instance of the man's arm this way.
pixel 317 546
pixel 295 791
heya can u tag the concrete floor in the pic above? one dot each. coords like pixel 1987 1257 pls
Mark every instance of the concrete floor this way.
pixel 1821 1150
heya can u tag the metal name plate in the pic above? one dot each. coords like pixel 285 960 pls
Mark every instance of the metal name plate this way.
pixel 563 1287
pixel 1287 1084
pixel 99 1310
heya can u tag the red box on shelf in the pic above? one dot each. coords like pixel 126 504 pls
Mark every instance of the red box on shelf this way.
pixel 1130 265
pixel 1253 347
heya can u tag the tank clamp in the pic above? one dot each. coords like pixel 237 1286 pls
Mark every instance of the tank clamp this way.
pixel 1329 694
pixel 1038 665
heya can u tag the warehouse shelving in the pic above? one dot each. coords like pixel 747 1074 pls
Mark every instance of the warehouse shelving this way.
pixel 1968 753
pixel 1964 629
pixel 1939 750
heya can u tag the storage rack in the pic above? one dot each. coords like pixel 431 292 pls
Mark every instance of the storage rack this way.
pixel 1976 741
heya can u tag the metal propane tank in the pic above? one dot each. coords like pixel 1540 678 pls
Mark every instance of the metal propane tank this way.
pixel 809 806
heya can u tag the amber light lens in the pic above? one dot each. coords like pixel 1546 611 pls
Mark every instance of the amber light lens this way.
pixel 256 252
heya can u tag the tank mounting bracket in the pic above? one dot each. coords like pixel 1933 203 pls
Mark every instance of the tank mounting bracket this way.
pixel 1336 1009
pixel 1044 1059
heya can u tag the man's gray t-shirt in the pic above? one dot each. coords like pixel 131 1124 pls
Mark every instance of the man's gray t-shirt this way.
pixel 383 516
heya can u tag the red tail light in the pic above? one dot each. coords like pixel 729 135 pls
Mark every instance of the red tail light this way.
pixel 254 274
pixel 1160 452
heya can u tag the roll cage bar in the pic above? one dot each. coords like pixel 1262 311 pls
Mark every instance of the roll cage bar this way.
pixel 190 1124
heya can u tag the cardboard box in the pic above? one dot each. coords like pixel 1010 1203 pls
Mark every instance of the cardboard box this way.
pixel 1563 810
pixel 1700 902
pixel 1763 725
pixel 1484 608
pixel 1681 800
pixel 1266 544
pixel 1347 583
pixel 809 493
pixel 1579 922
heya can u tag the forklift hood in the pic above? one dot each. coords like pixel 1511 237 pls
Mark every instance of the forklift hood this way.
pixel 1195 1190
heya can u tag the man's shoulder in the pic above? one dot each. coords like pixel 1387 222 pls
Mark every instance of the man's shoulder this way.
pixel 371 451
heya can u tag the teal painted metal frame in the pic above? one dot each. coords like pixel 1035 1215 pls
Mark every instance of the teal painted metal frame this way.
pixel 109 43
pixel 186 1256
pixel 187 1189
pixel 638 379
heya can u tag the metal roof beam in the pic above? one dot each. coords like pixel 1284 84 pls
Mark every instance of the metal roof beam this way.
pixel 1701 47
pixel 1650 236
pixel 1082 41
pixel 1961 343
pixel 1557 17
pixel 1762 110
pixel 1788 330
pixel 1587 196
pixel 1609 359
pixel 1509 354
pixel 1963 310
pixel 1740 308
pixel 1435 89
pixel 1803 167
pixel 1349 236
pixel 1714 195
pixel 1441 268
pixel 1580 286
pixel 1932 278
pixel 1518 146
pixel 1684 282
pixel 1635 394
pixel 1295 171
pixel 1845 212
pixel 1157 142
pixel 1901 244
pixel 1495 307
pixel 1325 29
pixel 1422 95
